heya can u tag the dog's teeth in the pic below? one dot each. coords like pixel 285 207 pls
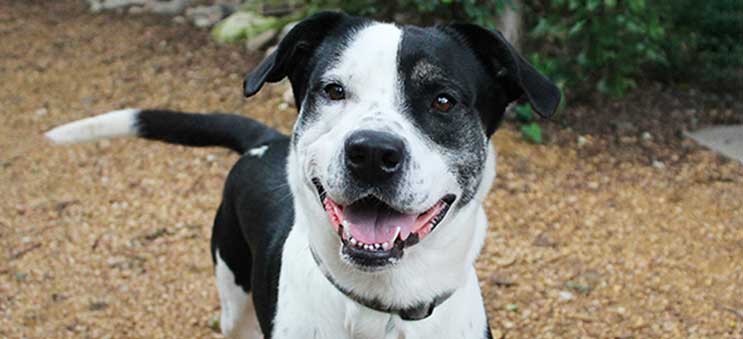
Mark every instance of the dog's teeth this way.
pixel 397 233
pixel 346 230
pixel 353 241
pixel 385 246
pixel 377 246
pixel 346 223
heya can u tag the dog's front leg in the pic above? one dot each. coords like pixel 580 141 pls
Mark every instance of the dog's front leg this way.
pixel 308 306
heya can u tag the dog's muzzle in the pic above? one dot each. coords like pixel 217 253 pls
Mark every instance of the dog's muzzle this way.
pixel 373 233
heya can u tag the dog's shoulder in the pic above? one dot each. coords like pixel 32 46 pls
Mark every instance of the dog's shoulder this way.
pixel 258 189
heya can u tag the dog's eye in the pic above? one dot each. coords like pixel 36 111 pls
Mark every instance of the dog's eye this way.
pixel 443 103
pixel 335 92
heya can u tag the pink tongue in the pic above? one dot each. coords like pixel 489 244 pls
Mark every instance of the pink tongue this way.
pixel 377 224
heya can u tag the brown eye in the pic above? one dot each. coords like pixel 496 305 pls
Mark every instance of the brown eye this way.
pixel 335 92
pixel 443 103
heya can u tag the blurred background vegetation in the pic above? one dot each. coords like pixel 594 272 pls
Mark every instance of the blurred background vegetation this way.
pixel 604 46
pixel 599 52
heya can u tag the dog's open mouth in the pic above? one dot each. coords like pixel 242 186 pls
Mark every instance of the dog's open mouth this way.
pixel 375 234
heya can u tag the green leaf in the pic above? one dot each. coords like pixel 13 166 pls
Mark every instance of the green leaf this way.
pixel 532 133
pixel 577 27
pixel 524 113
pixel 591 5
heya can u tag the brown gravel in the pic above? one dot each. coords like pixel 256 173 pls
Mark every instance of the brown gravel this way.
pixel 111 239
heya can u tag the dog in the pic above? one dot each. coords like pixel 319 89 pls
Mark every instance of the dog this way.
pixel 367 220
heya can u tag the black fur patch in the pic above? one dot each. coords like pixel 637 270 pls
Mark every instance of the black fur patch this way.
pixel 431 63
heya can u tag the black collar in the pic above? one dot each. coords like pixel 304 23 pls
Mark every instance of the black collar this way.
pixel 417 312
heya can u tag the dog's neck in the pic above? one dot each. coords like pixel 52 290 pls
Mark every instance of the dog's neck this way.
pixel 418 311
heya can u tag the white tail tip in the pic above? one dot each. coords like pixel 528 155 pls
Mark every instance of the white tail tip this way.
pixel 114 124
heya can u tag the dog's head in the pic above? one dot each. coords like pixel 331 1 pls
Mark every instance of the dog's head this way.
pixel 392 141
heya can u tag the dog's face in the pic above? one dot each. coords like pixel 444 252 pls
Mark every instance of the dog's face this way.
pixel 393 132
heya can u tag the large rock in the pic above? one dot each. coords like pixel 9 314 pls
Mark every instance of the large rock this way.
pixel 243 25
pixel 171 7
pixel 164 7
pixel 207 16
pixel 102 5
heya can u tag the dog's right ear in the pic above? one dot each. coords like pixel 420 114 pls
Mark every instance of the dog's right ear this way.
pixel 516 74
pixel 291 56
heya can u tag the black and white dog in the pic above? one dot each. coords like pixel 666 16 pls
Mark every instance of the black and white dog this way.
pixel 387 168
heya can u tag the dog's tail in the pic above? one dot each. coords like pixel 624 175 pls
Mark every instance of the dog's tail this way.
pixel 235 132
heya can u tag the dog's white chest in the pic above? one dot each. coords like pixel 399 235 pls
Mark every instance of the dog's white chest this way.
pixel 310 307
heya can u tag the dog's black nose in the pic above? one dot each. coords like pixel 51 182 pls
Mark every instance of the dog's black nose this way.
pixel 373 156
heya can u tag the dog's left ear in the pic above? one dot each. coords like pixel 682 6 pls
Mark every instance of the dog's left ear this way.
pixel 293 53
pixel 519 78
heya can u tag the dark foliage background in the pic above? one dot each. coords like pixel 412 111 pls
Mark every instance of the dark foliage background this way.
pixel 601 46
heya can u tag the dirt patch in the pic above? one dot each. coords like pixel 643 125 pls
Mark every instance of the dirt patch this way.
pixel 111 239
pixel 648 124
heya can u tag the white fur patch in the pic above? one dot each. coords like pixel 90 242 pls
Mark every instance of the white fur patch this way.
pixel 109 125
pixel 238 319
pixel 258 151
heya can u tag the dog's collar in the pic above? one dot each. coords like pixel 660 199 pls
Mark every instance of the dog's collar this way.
pixel 417 312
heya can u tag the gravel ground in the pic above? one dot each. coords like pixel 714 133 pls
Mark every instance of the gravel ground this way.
pixel 111 239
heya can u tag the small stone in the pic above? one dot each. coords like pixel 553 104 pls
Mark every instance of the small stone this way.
pixel 283 106
pixel 647 136
pixel 512 307
pixel 288 96
pixel 578 287
pixel 172 7
pixel 659 164
pixel 41 112
pixel 205 16
pixel 544 240
pixel 87 100
pixel 116 4
pixel 211 157
pixel 505 261
pixel 566 296
pixel 582 141
pixel 21 276
pixel 97 306
pixel 501 281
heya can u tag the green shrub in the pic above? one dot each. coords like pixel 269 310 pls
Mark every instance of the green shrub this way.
pixel 591 45
pixel 706 43
pixel 424 12
pixel 603 46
